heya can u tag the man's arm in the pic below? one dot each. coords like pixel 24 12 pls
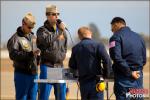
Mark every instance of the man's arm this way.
pixel 144 52
pixel 72 61
pixel 115 54
pixel 107 65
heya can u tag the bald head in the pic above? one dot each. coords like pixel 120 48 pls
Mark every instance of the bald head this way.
pixel 84 32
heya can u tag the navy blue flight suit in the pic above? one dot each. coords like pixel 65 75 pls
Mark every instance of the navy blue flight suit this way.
pixel 128 52
pixel 87 57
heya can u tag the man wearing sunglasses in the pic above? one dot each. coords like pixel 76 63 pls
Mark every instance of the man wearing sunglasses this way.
pixel 128 52
pixel 23 52
pixel 52 41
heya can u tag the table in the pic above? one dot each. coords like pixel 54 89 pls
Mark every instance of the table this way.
pixel 71 81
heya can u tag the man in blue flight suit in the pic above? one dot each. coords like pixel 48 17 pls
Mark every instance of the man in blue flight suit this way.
pixel 24 53
pixel 128 52
pixel 87 57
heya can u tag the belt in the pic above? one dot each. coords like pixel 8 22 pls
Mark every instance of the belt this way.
pixel 135 68
pixel 56 65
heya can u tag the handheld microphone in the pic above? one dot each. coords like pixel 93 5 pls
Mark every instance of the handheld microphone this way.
pixel 62 24
pixel 63 27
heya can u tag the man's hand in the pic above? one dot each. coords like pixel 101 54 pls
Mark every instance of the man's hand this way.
pixel 36 52
pixel 34 39
pixel 61 25
pixel 136 74
pixel 61 37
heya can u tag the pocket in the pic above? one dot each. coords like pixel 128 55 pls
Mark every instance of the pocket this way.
pixel 60 57
pixel 119 90
pixel 50 55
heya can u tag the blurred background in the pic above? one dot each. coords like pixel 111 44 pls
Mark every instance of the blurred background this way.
pixel 95 14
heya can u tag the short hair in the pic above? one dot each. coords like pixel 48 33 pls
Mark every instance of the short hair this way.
pixel 82 31
pixel 118 20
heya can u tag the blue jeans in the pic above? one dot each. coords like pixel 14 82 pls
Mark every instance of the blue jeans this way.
pixel 123 84
pixel 88 91
pixel 122 93
pixel 45 88
pixel 25 87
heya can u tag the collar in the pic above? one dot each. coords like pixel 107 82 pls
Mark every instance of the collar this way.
pixel 20 32
pixel 86 38
pixel 48 25
pixel 126 28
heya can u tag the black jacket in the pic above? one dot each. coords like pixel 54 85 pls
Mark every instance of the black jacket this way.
pixel 20 49
pixel 90 58
pixel 52 50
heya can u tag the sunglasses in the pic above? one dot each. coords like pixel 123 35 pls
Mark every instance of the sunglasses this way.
pixel 53 14
pixel 30 27
pixel 27 25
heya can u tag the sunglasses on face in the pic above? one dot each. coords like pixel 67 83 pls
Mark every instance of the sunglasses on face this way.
pixel 30 27
pixel 27 25
pixel 53 14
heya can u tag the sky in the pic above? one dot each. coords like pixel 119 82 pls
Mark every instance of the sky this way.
pixel 76 14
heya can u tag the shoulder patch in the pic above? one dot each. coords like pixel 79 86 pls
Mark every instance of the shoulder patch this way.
pixel 112 44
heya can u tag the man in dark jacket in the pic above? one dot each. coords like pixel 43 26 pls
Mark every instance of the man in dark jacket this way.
pixel 128 52
pixel 23 52
pixel 52 41
pixel 90 59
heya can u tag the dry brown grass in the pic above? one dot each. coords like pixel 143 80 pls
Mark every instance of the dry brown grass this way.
pixel 7 65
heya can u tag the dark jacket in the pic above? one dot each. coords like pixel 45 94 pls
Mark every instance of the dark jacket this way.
pixel 128 52
pixel 90 59
pixel 53 51
pixel 20 51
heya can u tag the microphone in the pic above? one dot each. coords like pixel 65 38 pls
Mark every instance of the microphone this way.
pixel 63 27
pixel 61 24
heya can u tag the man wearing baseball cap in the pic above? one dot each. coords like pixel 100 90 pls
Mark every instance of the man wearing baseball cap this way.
pixel 52 41
pixel 23 52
